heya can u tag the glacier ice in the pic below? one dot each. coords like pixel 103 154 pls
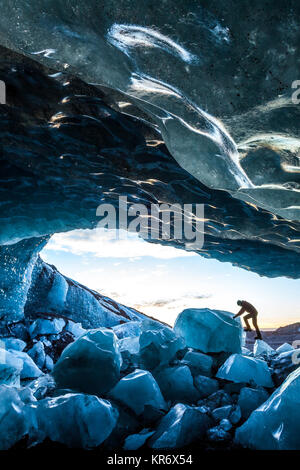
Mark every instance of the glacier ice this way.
pixel 158 344
pixel 75 329
pixel 222 413
pixel 176 384
pixel 29 369
pixel 17 419
pixel 225 424
pixel 41 327
pixel 218 434
pixel 206 386
pixel 10 368
pixel 77 420
pixel 210 330
pixel 250 399
pixel 91 364
pixel 200 364
pixel 135 441
pixel 137 391
pixel 128 329
pixel 262 348
pixel 181 426
pixel 275 425
pixel 12 343
pixel 244 369
pixel 37 354
pixel 285 347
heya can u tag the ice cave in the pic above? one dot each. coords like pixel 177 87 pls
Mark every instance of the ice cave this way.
pixel 174 102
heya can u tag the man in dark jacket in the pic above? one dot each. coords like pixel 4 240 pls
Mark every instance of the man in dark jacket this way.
pixel 252 314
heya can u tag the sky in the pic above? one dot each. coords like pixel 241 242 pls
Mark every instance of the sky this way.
pixel 162 281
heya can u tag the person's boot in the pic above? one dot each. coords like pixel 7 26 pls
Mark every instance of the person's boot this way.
pixel 259 336
pixel 247 329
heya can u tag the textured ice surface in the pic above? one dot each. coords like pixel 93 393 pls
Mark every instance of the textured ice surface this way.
pixel 137 391
pixel 284 348
pixel 128 330
pixel 91 364
pixel 176 384
pixel 244 369
pixel 262 348
pixel 79 303
pixel 180 427
pixel 222 413
pixel 250 399
pixel 37 354
pixel 135 441
pixel 210 330
pixel 158 344
pixel 198 363
pixel 205 385
pixel 10 368
pixel 12 343
pixel 43 326
pixel 77 420
pixel 126 56
pixel 16 418
pixel 16 265
pixel 29 369
pixel 275 425
pixel 75 329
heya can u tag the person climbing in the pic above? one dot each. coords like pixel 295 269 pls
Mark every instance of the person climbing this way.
pixel 252 314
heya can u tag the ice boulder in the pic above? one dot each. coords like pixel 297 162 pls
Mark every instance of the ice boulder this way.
pixel 75 329
pixel 135 441
pixel 76 420
pixel 128 329
pixel 10 368
pixel 158 344
pixel 244 369
pixel 17 419
pixel 177 385
pixel 41 327
pixel 29 369
pixel 210 331
pixel 91 364
pixel 285 347
pixel 137 391
pixel 181 426
pixel 222 413
pixel 275 425
pixel 199 363
pixel 12 343
pixel 206 386
pixel 37 354
pixel 250 399
pixel 262 348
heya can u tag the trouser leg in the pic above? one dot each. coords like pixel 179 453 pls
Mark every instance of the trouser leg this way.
pixel 246 318
pixel 254 321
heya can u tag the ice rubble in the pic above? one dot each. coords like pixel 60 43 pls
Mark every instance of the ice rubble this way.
pixel 137 391
pixel 77 420
pixel 244 369
pixel 275 425
pixel 91 364
pixel 157 398
pixel 210 331
pixel 180 427
pixel 261 348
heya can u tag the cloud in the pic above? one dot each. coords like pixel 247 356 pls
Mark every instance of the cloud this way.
pixel 103 243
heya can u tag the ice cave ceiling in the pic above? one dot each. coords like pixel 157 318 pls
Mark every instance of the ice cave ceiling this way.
pixel 188 106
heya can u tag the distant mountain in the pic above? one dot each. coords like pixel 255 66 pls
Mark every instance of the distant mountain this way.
pixel 284 334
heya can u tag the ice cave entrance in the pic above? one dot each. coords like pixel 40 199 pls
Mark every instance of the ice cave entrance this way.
pixel 161 281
